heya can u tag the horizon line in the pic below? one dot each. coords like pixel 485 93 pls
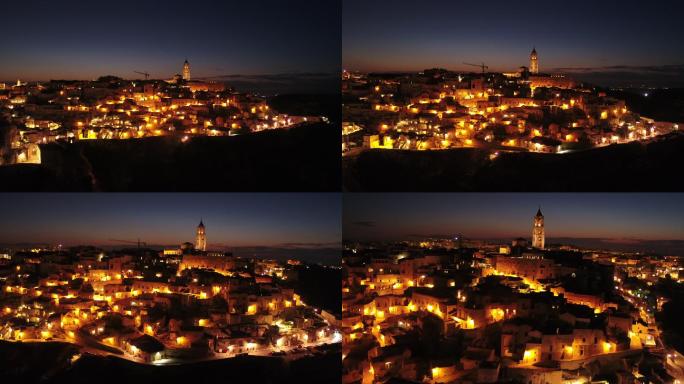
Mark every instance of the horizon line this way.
pixel 503 238
pixel 555 69
pixel 231 75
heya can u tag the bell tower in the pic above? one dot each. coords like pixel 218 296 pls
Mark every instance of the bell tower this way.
pixel 538 230
pixel 534 61
pixel 200 239
pixel 186 70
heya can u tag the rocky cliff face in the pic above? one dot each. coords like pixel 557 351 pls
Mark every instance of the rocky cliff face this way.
pixel 7 134
pixel 304 158
pixel 635 166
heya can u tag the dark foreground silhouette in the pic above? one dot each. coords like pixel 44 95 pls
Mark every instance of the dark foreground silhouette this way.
pixel 50 363
pixel 652 166
pixel 304 158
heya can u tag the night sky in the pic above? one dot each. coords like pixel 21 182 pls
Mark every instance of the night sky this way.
pixel 309 221
pixel 507 216
pixel 611 37
pixel 83 39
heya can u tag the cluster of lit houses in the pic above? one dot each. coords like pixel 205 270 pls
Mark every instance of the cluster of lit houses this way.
pixel 509 305
pixel 177 305
pixel 112 108
pixel 519 111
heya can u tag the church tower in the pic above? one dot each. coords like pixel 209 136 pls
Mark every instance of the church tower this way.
pixel 186 70
pixel 201 239
pixel 538 230
pixel 534 63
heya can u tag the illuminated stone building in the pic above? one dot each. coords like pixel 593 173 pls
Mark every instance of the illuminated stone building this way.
pixel 201 239
pixel 221 264
pixel 534 63
pixel 528 266
pixel 198 257
pixel 186 71
pixel 203 86
pixel 538 230
pixel 552 81
pixel 577 344
pixel 30 154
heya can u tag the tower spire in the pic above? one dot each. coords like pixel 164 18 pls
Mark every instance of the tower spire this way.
pixel 186 70
pixel 201 238
pixel 534 61
pixel 538 236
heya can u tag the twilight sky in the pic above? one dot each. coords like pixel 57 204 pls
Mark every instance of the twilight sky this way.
pixel 83 39
pixel 232 220
pixel 612 36
pixel 504 215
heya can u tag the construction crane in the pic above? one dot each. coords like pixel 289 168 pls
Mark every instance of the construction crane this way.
pixel 130 242
pixel 484 67
pixel 147 75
